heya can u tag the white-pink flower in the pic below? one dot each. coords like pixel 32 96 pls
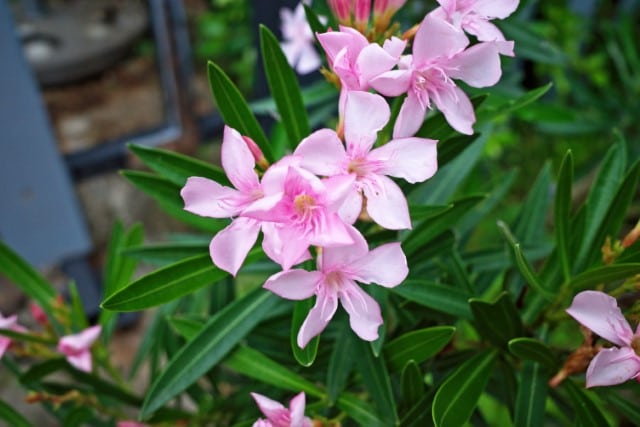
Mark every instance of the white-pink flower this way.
pixel 440 55
pixel 304 209
pixel 356 61
pixel 413 159
pixel 473 16
pixel 298 44
pixel 77 347
pixel 279 416
pixel 600 313
pixel 205 197
pixel 10 323
pixel 335 280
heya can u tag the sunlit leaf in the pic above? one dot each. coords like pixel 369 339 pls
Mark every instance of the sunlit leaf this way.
pixel 418 345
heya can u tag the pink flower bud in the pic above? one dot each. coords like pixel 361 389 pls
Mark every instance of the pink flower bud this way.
pixel 383 11
pixel 256 152
pixel 38 314
pixel 342 10
pixel 362 10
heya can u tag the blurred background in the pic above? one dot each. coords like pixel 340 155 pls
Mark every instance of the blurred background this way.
pixel 81 79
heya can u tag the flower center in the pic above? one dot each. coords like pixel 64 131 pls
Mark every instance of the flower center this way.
pixel 304 204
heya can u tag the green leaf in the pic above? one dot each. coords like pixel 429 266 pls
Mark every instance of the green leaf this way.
pixel 27 336
pixel 78 317
pixel 12 417
pixel 629 410
pixel 166 253
pixel 78 416
pixel 166 284
pixel 562 212
pixel 177 167
pixel 534 350
pixel 285 89
pixel 40 370
pixel 214 341
pixel 531 396
pixel 254 364
pixel 530 43
pixel 605 274
pixel 314 21
pixel 362 413
pixel 25 277
pixel 533 213
pixel 458 395
pixel 443 298
pixel 525 268
pixel 515 104
pixel 616 212
pixel 340 363
pixel 376 380
pixel 188 328
pixel 588 413
pixel 418 345
pixel 428 229
pixel 305 356
pixel 234 109
pixel 167 194
pixel 602 193
pixel 412 384
pixel 499 321
pixel 451 148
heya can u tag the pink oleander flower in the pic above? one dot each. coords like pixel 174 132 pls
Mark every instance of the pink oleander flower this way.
pixel 356 61
pixel 298 45
pixel 11 323
pixel 600 313
pixel 338 270
pixel 279 416
pixel 413 159
pixel 473 16
pixel 440 54
pixel 205 197
pixel 304 209
pixel 77 347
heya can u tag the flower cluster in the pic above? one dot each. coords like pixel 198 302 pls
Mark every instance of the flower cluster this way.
pixel 75 347
pixel 279 416
pixel 307 203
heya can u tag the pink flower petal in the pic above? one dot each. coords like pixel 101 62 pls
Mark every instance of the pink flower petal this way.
pixel 365 115
pixel 410 117
pixel 322 153
pixel 5 342
pixel 613 366
pixel 392 83
pixel 229 248
pixel 338 188
pixel 386 204
pixel 352 206
pixel 270 408
pixel 294 284
pixel 296 410
pixel 413 159
pixel 457 109
pixel 364 311
pixel 600 313
pixel 373 61
pixel 238 162
pixel 495 8
pixel 284 245
pixel 317 319
pixel 205 197
pixel 394 46
pixel 81 361
pixel 329 231
pixel 335 258
pixel 437 38
pixel 478 66
pixel 484 31
pixel 72 344
pixel 386 266
pixel 308 61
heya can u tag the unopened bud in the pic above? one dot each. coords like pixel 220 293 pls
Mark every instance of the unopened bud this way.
pixel 258 156
pixel 361 12
pixel 38 314
pixel 383 11
pixel 342 10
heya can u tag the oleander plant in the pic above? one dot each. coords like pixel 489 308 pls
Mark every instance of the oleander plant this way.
pixel 353 258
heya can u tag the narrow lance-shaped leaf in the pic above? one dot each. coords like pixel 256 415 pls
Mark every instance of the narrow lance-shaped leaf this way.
pixel 165 253
pixel 439 297
pixel 214 341
pixel 340 363
pixel 412 384
pixel 285 89
pixel 604 274
pixel 235 110
pixel 458 396
pixel 307 355
pixel 534 350
pixel 177 167
pixel 531 396
pixel 562 212
pixel 498 321
pixel 588 413
pixel 12 417
pixel 417 345
pixel 376 380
